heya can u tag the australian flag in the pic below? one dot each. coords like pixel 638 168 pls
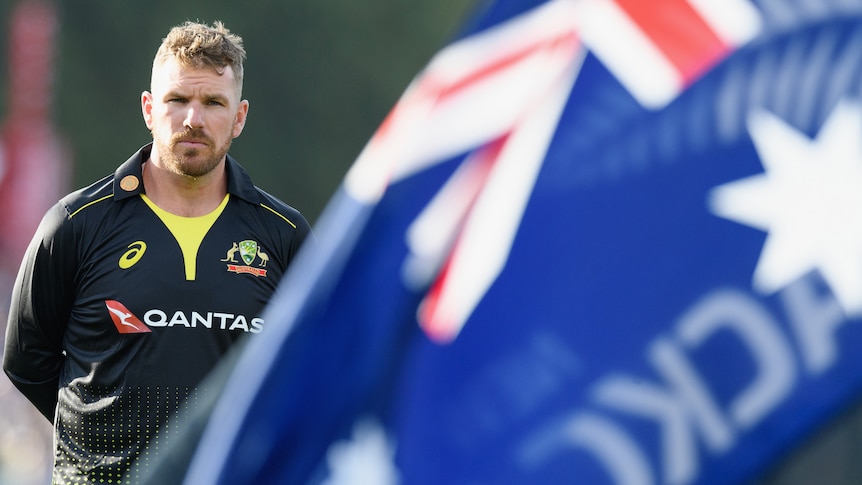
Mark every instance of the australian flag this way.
pixel 604 242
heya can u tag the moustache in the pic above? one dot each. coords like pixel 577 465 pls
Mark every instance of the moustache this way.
pixel 190 135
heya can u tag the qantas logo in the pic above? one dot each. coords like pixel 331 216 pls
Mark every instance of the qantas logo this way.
pixel 124 320
pixel 127 322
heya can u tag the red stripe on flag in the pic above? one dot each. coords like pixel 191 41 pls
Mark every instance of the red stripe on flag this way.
pixel 442 89
pixel 679 32
pixel 437 327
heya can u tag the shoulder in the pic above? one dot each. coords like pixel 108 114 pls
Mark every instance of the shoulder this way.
pixel 124 183
pixel 63 225
pixel 281 210
pixel 92 197
pixel 281 214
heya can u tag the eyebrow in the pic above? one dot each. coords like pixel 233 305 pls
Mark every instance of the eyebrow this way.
pixel 207 97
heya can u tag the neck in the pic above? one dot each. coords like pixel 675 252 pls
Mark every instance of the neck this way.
pixel 183 195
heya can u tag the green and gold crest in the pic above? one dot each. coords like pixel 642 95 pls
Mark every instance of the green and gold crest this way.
pixel 248 251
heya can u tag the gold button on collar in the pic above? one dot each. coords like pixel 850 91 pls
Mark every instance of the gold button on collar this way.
pixel 129 183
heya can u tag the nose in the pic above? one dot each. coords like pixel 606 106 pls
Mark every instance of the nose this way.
pixel 194 118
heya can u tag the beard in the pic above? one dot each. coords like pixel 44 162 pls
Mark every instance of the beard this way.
pixel 192 162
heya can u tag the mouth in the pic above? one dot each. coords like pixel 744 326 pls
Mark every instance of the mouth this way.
pixel 191 139
pixel 192 143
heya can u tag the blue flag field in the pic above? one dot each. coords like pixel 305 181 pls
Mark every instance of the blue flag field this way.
pixel 604 242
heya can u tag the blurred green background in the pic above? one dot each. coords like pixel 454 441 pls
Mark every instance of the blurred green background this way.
pixel 320 77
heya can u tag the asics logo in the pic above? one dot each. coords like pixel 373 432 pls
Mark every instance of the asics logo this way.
pixel 133 255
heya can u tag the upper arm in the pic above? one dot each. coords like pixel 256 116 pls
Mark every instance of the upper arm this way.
pixel 41 301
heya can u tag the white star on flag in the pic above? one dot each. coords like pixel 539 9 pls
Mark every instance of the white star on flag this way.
pixel 367 459
pixel 808 200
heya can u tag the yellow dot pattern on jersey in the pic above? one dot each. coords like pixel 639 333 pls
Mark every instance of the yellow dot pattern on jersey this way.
pixel 114 436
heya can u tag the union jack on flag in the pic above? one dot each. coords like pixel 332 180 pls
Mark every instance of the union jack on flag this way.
pixel 603 241
pixel 497 95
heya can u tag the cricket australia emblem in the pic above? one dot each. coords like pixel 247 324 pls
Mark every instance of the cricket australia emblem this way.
pixel 249 251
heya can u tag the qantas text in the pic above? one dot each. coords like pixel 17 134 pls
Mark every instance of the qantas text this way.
pixel 218 320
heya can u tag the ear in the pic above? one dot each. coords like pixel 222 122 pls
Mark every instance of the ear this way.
pixel 241 115
pixel 147 108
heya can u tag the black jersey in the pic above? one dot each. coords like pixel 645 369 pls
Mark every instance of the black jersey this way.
pixel 125 308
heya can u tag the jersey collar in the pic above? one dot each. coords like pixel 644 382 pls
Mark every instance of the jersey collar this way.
pixel 128 178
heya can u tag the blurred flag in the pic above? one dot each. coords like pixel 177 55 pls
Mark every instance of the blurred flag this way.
pixel 596 241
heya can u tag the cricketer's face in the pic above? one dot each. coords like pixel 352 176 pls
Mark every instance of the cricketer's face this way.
pixel 194 114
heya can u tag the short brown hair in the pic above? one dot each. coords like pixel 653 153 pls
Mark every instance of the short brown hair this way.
pixel 197 45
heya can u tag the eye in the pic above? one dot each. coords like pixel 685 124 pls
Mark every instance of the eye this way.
pixel 214 102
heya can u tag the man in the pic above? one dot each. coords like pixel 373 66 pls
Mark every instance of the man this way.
pixel 134 287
